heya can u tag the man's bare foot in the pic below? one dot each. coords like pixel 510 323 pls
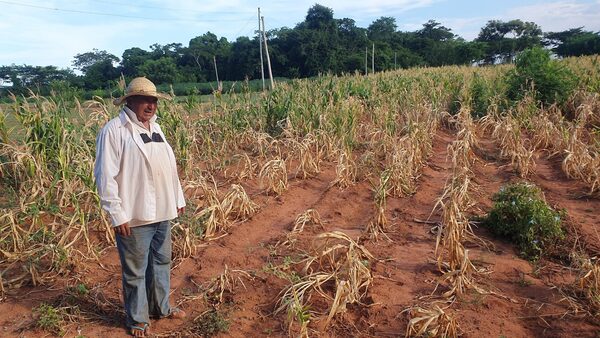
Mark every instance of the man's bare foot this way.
pixel 139 330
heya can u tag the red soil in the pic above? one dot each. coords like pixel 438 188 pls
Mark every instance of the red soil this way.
pixel 528 302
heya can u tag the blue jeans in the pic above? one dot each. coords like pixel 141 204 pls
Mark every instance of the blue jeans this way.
pixel 146 264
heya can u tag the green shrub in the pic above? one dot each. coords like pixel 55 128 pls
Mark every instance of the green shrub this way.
pixel 210 324
pixel 521 215
pixel 49 319
pixel 551 80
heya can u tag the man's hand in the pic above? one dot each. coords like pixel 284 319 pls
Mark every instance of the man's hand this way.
pixel 180 210
pixel 123 229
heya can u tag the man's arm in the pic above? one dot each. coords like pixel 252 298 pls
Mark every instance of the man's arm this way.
pixel 106 169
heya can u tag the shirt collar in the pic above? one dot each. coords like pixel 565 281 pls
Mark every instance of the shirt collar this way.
pixel 134 118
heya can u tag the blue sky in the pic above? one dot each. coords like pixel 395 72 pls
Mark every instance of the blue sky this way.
pixel 51 32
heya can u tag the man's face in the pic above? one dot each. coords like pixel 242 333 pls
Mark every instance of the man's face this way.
pixel 144 107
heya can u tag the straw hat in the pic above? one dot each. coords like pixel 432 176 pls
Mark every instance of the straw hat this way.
pixel 140 86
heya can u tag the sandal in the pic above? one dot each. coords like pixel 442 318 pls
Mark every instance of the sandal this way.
pixel 139 330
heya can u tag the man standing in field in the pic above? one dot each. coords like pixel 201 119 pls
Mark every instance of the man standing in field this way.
pixel 138 185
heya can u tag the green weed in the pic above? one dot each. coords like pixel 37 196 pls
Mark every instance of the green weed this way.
pixel 521 215
pixel 211 324
pixel 50 318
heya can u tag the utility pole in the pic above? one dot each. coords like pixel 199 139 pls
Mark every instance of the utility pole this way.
pixel 262 67
pixel 262 18
pixel 395 61
pixel 219 86
pixel 373 59
pixel 366 61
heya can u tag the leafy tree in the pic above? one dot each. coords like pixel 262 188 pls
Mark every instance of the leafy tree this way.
pixel 319 42
pixel 100 75
pixel 202 49
pixel 163 70
pixel 319 17
pixel 434 31
pixel 171 50
pixel 132 59
pixel 573 42
pixel 244 61
pixel 353 41
pixel 438 46
pixel 34 77
pixel 285 46
pixel 382 29
pixel 505 39
pixel 84 61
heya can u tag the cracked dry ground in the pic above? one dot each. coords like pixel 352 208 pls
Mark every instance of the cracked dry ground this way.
pixel 528 303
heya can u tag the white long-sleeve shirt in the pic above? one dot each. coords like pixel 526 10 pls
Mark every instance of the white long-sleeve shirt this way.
pixel 137 182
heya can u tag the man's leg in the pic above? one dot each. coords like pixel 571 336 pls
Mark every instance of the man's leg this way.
pixel 158 275
pixel 133 253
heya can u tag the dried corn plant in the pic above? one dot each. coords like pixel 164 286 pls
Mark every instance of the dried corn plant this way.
pixel 431 321
pixel 326 143
pixel 227 282
pixel 379 141
pixel 213 218
pixel 48 166
pixel 513 145
pixel 379 224
pixel 215 215
pixel 401 169
pixel 184 240
pixel 454 228
pixel 467 130
pixel 581 161
pixel 348 261
pixel 295 302
pixel 243 168
pixel 345 170
pixel 204 187
pixel 549 131
pixel 309 218
pixel 589 284
pixel 336 258
pixel 309 156
pixel 236 203
pixel 273 175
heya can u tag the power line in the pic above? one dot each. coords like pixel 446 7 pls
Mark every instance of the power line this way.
pixel 114 15
pixel 168 8
pixel 244 26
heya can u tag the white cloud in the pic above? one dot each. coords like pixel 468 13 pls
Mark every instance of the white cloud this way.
pixel 559 15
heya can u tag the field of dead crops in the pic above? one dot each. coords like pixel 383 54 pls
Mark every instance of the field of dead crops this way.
pixel 332 207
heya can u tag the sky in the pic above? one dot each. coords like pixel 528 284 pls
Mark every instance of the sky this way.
pixel 52 32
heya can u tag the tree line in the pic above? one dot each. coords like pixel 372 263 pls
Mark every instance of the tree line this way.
pixel 319 44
